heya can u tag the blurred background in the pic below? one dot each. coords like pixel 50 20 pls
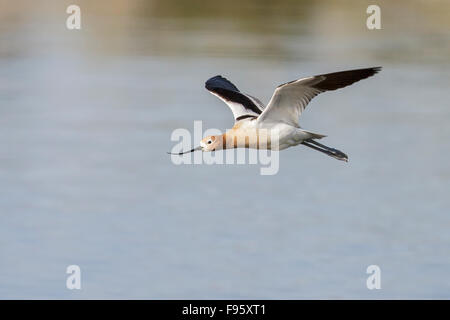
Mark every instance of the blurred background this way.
pixel 85 122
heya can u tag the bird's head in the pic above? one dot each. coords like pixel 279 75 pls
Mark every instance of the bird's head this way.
pixel 211 143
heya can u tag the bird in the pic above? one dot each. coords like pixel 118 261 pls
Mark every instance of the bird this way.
pixel 281 114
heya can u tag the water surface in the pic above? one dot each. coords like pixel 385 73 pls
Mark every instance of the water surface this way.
pixel 85 123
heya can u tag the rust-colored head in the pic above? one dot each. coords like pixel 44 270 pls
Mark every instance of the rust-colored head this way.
pixel 211 143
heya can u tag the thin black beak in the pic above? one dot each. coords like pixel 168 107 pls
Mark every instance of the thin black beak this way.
pixel 195 149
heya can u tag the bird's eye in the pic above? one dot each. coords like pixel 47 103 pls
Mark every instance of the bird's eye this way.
pixel 209 141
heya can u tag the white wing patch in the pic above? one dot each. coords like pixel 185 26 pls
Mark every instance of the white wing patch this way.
pixel 290 99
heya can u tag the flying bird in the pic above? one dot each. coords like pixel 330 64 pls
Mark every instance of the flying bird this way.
pixel 288 101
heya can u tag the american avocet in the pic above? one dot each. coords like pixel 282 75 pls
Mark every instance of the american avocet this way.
pixel 281 114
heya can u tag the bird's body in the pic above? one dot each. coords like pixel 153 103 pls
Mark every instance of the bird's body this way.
pixel 276 126
pixel 249 133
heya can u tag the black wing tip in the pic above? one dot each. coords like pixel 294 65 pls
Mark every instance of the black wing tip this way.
pixel 215 78
pixel 220 82
pixel 368 72
pixel 341 79
pixel 209 84
pixel 375 69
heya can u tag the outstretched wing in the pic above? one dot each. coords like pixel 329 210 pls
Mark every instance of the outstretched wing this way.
pixel 242 105
pixel 290 99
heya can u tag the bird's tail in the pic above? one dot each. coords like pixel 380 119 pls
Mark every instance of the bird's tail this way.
pixel 324 149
